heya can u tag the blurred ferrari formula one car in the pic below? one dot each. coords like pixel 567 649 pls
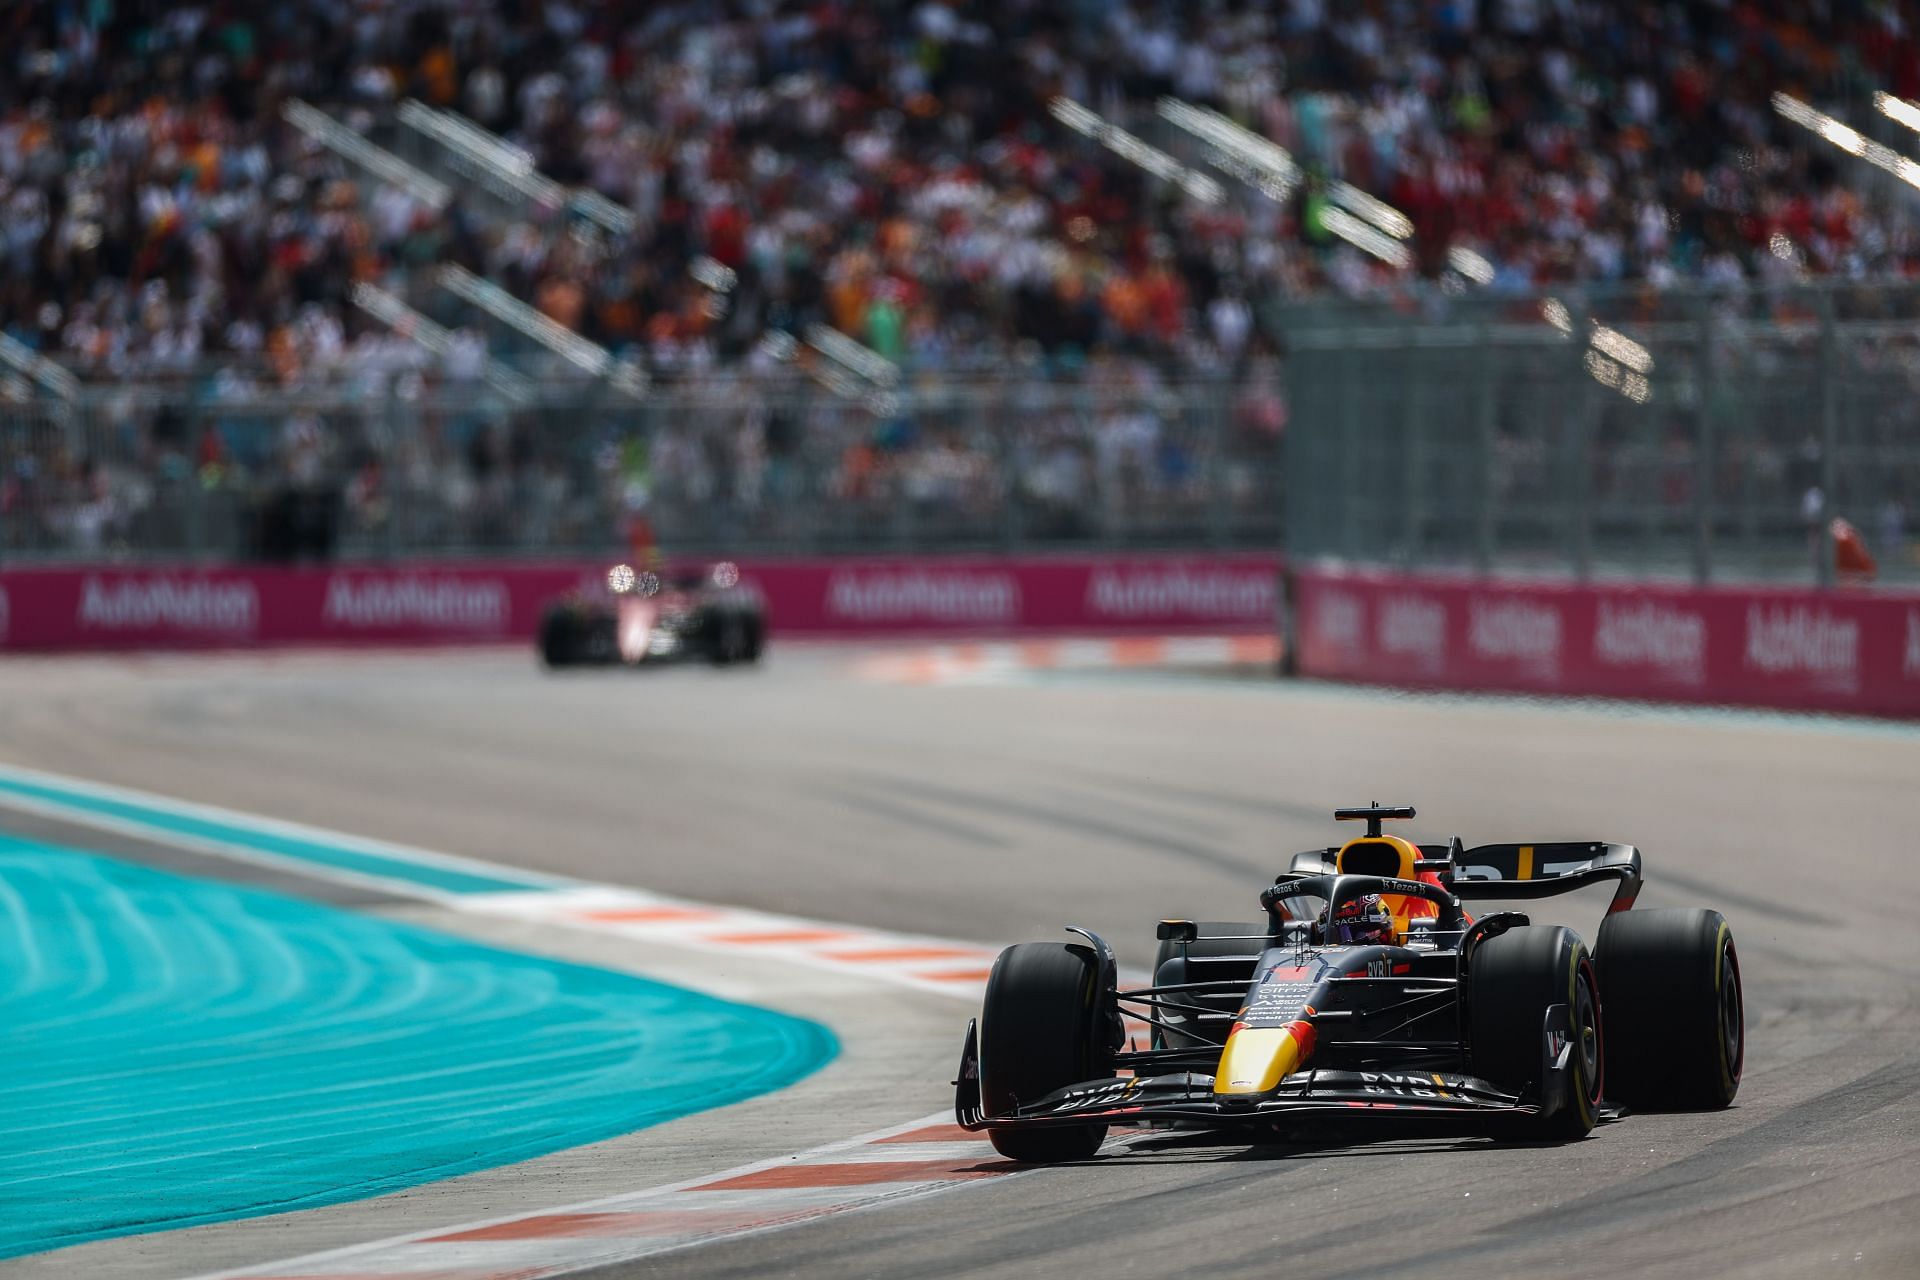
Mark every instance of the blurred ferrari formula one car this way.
pixel 643 617
pixel 1368 990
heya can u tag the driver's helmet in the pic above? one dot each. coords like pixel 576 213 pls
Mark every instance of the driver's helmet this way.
pixel 1360 920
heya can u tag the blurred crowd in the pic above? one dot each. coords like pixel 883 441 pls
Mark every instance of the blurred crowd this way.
pixel 891 170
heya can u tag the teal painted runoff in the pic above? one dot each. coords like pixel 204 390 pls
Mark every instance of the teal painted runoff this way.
pixel 181 1051
pixel 282 840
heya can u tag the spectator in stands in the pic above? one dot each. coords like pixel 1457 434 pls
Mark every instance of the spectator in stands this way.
pixel 891 170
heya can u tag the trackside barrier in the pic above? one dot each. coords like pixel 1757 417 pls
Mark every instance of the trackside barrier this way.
pixel 161 607
pixel 1837 650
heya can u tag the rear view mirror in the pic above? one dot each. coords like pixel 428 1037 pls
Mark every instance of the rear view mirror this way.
pixel 1176 931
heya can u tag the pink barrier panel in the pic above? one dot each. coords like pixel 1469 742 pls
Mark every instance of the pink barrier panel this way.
pixel 1835 650
pixel 1029 594
pixel 171 608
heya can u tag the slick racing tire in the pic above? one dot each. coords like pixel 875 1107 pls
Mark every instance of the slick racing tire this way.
pixel 736 638
pixel 1676 1014
pixel 1513 979
pixel 1036 1032
pixel 1209 957
pixel 559 638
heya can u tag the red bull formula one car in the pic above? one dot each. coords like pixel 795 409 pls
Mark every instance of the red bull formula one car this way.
pixel 641 616
pixel 1368 991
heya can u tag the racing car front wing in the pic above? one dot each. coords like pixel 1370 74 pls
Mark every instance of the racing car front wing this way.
pixel 1188 1099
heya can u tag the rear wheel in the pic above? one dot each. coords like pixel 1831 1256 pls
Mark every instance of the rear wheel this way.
pixel 1036 1035
pixel 1676 1017
pixel 1514 978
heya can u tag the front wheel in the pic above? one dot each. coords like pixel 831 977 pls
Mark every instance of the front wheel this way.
pixel 1514 979
pixel 559 638
pixel 1037 1035
pixel 1676 1013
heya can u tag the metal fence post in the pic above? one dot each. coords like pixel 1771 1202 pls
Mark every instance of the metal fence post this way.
pixel 1413 452
pixel 1821 536
pixel 1704 471
pixel 1349 451
pixel 194 488
pixel 1486 409
pixel 1218 498
pixel 1577 468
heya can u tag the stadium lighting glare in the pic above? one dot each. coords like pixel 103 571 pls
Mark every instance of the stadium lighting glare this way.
pixel 714 274
pixel 419 329
pixel 1378 212
pixel 1633 386
pixel 1612 358
pixel 1898 110
pixel 381 163
pixel 863 360
pixel 1622 348
pixel 1848 139
pixel 37 368
pixel 1269 168
pixel 1259 162
pixel 1123 144
pixel 582 353
pixel 1470 264
pixel 1362 236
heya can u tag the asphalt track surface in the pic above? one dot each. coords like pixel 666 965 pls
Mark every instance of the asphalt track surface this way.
pixel 997 812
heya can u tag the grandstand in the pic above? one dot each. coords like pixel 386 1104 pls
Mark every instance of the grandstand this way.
pixel 845 274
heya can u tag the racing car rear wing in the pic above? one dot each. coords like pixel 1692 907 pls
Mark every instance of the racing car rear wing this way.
pixel 1515 871
pixel 1509 871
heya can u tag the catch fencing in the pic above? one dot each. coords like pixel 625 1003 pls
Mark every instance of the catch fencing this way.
pixel 1627 434
pixel 386 464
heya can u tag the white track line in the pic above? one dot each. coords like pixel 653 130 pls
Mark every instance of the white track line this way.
pixel 874 1169
pixel 903 1162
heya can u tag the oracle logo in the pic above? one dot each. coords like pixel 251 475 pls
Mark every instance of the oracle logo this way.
pixel 417 600
pixel 169 604
pixel 1649 634
pixel 919 594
